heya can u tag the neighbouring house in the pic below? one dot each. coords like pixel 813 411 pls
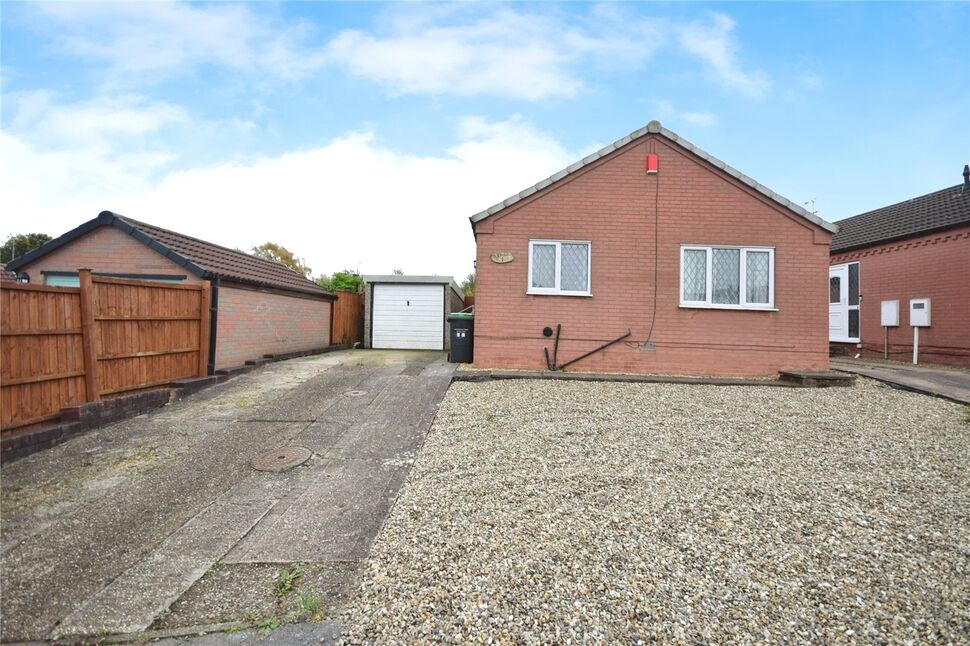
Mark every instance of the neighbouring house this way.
pixel 260 307
pixel 6 275
pixel 409 312
pixel 914 250
pixel 690 266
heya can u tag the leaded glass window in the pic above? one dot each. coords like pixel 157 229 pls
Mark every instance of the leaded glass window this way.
pixel 544 266
pixel 854 283
pixel 559 267
pixel 853 324
pixel 727 277
pixel 758 275
pixel 695 275
pixel 575 267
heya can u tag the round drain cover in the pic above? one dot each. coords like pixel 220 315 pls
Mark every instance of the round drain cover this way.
pixel 281 459
pixel 355 393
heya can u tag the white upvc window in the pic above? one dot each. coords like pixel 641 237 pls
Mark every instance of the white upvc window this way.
pixel 559 267
pixel 727 277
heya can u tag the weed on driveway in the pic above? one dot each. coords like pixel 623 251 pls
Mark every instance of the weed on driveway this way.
pixel 557 512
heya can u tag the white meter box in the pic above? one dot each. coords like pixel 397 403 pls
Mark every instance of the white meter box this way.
pixel 890 313
pixel 919 312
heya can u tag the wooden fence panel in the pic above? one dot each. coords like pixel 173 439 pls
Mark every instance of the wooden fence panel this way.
pixel 348 318
pixel 139 334
pixel 147 333
pixel 41 358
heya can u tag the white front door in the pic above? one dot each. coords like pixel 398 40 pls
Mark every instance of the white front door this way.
pixel 838 303
pixel 408 316
pixel 844 303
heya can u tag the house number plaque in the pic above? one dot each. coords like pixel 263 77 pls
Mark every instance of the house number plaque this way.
pixel 502 257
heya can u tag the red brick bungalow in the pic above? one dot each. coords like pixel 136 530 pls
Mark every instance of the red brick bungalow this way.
pixel 260 307
pixel 916 249
pixel 700 269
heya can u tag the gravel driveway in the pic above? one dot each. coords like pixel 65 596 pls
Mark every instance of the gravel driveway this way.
pixel 584 512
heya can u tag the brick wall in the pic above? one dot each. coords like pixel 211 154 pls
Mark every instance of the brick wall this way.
pixel 613 205
pixel 935 266
pixel 255 322
pixel 108 250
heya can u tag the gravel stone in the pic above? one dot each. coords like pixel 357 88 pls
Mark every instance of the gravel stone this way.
pixel 566 512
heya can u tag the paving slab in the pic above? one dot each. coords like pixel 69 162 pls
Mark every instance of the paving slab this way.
pixel 313 398
pixel 336 519
pixel 230 592
pixel 949 383
pixel 133 600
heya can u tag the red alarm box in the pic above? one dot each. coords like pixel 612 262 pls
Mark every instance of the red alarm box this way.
pixel 653 163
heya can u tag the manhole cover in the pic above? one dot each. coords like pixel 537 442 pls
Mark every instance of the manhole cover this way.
pixel 355 393
pixel 281 459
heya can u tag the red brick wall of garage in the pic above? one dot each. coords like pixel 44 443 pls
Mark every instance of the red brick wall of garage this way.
pixel 935 266
pixel 109 250
pixel 612 204
pixel 255 322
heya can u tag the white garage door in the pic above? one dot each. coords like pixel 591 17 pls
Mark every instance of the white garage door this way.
pixel 409 317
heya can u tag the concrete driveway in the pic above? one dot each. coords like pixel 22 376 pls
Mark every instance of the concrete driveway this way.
pixel 942 381
pixel 160 524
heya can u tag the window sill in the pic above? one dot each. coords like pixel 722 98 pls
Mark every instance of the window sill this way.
pixel 580 294
pixel 831 340
pixel 740 308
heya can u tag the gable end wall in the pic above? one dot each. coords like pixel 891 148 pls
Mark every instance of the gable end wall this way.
pixel 614 205
pixel 110 250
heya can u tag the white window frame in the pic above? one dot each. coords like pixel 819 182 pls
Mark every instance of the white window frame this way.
pixel 743 303
pixel 557 291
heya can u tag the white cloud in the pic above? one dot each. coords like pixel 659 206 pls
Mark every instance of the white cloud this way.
pixel 506 54
pixel 461 50
pixel 145 41
pixel 352 203
pixel 82 149
pixel 93 122
pixel 665 110
pixel 715 44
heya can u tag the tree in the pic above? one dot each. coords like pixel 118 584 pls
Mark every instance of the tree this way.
pixel 19 244
pixel 345 280
pixel 468 285
pixel 348 281
pixel 279 253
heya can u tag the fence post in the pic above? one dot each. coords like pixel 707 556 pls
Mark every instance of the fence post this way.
pixel 89 340
pixel 205 314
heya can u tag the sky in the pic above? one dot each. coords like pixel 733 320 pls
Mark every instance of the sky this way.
pixel 362 136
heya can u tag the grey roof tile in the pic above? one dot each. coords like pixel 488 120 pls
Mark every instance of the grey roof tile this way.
pixel 224 262
pixel 935 211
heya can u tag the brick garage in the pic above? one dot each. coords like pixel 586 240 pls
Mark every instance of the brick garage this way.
pixel 261 307
pixel 638 226
pixel 254 322
pixel 919 248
